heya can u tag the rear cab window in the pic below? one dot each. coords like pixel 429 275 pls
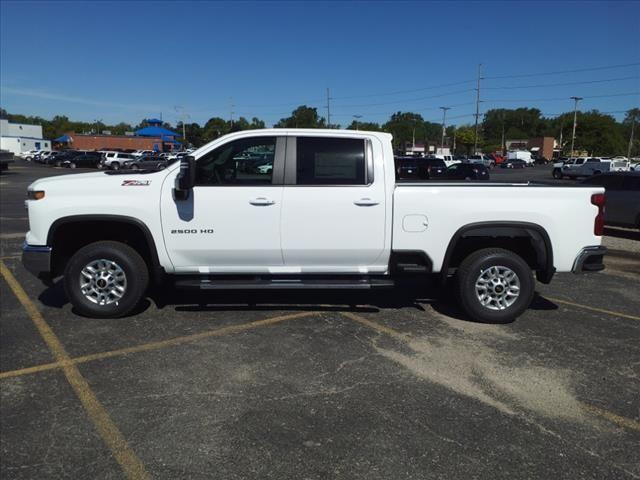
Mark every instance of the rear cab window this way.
pixel 331 161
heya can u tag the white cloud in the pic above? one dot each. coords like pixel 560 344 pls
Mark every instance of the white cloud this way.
pixel 27 92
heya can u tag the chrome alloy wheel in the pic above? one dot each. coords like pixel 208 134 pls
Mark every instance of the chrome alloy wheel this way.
pixel 497 287
pixel 103 282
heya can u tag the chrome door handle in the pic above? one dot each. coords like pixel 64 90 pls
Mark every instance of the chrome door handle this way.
pixel 261 201
pixel 366 202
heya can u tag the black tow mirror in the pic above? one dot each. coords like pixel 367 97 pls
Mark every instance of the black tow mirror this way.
pixel 186 178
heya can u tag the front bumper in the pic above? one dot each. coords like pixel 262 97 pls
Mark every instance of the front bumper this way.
pixel 37 259
pixel 589 260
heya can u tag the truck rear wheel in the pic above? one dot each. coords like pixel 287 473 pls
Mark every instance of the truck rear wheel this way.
pixel 494 285
pixel 105 279
pixel 557 173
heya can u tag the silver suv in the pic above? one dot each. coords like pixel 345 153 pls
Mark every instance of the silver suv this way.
pixel 115 160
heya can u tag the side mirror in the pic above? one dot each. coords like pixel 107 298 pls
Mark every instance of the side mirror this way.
pixel 186 178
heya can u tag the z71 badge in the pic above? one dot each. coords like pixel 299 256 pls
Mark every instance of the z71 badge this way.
pixel 136 183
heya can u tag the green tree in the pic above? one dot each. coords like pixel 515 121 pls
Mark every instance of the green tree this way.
pixel 302 117
pixel 368 126
pixel 466 137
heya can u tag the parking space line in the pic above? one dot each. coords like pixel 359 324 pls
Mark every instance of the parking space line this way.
pixel 376 326
pixel 145 347
pixel 113 438
pixel 612 417
pixel 594 309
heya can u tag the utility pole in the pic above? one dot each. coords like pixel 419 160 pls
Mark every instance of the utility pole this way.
pixel 575 122
pixel 633 124
pixel 561 129
pixel 475 140
pixel 328 110
pixel 357 117
pixel 444 126
pixel 231 105
pixel 454 141
pixel 502 145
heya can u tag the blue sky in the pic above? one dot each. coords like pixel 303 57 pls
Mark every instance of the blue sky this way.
pixel 124 61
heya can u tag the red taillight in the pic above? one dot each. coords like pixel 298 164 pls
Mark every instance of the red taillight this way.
pixel 598 199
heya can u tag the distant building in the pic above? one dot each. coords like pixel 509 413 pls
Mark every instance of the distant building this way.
pixel 153 137
pixel 542 147
pixel 21 137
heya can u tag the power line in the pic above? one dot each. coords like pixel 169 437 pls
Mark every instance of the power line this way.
pixel 558 72
pixel 555 99
pixel 395 102
pixel 562 84
pixel 398 92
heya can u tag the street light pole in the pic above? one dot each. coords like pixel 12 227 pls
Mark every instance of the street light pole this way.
pixel 444 126
pixel 575 120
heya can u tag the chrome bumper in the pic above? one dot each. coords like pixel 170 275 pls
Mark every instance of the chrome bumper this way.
pixel 37 259
pixel 589 260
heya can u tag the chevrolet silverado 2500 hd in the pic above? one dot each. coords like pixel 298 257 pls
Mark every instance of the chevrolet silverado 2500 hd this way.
pixel 304 209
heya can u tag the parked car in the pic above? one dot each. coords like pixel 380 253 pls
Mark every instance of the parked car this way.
pixel 447 159
pixel 64 156
pixel 323 219
pixel 420 168
pixel 51 158
pixel 83 159
pixel 521 155
pixel 150 162
pixel 114 160
pixel 481 160
pixel 514 163
pixel 623 197
pixel 497 158
pixel 26 155
pixel 142 153
pixel 40 156
pixel 590 166
pixel 466 171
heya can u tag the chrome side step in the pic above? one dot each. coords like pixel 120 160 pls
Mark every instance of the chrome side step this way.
pixel 262 283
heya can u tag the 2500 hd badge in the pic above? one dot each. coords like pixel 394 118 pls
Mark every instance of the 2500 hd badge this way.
pixel 193 230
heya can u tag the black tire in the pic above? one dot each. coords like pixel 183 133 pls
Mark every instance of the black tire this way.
pixel 72 165
pixel 115 166
pixel 469 273
pixel 127 259
pixel 135 167
pixel 557 174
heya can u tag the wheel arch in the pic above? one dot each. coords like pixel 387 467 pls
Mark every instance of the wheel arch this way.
pixel 510 235
pixel 67 234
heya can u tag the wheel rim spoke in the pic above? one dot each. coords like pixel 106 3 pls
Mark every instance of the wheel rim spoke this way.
pixel 103 282
pixel 497 287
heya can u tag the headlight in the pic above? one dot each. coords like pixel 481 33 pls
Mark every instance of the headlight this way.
pixel 35 194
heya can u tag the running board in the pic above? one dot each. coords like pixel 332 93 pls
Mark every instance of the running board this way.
pixel 259 283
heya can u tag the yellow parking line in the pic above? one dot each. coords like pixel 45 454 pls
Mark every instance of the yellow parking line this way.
pixel 9 257
pixel 125 456
pixel 376 326
pixel 612 417
pixel 593 309
pixel 145 347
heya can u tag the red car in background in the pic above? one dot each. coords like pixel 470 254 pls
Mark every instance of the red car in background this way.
pixel 496 157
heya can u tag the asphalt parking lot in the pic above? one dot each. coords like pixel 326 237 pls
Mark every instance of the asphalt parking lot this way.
pixel 297 385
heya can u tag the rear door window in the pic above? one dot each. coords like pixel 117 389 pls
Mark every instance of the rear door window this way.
pixel 330 161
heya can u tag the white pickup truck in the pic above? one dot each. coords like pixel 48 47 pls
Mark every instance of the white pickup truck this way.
pixel 328 214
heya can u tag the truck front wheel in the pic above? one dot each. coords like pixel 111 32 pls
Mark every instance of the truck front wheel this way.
pixel 105 279
pixel 494 285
